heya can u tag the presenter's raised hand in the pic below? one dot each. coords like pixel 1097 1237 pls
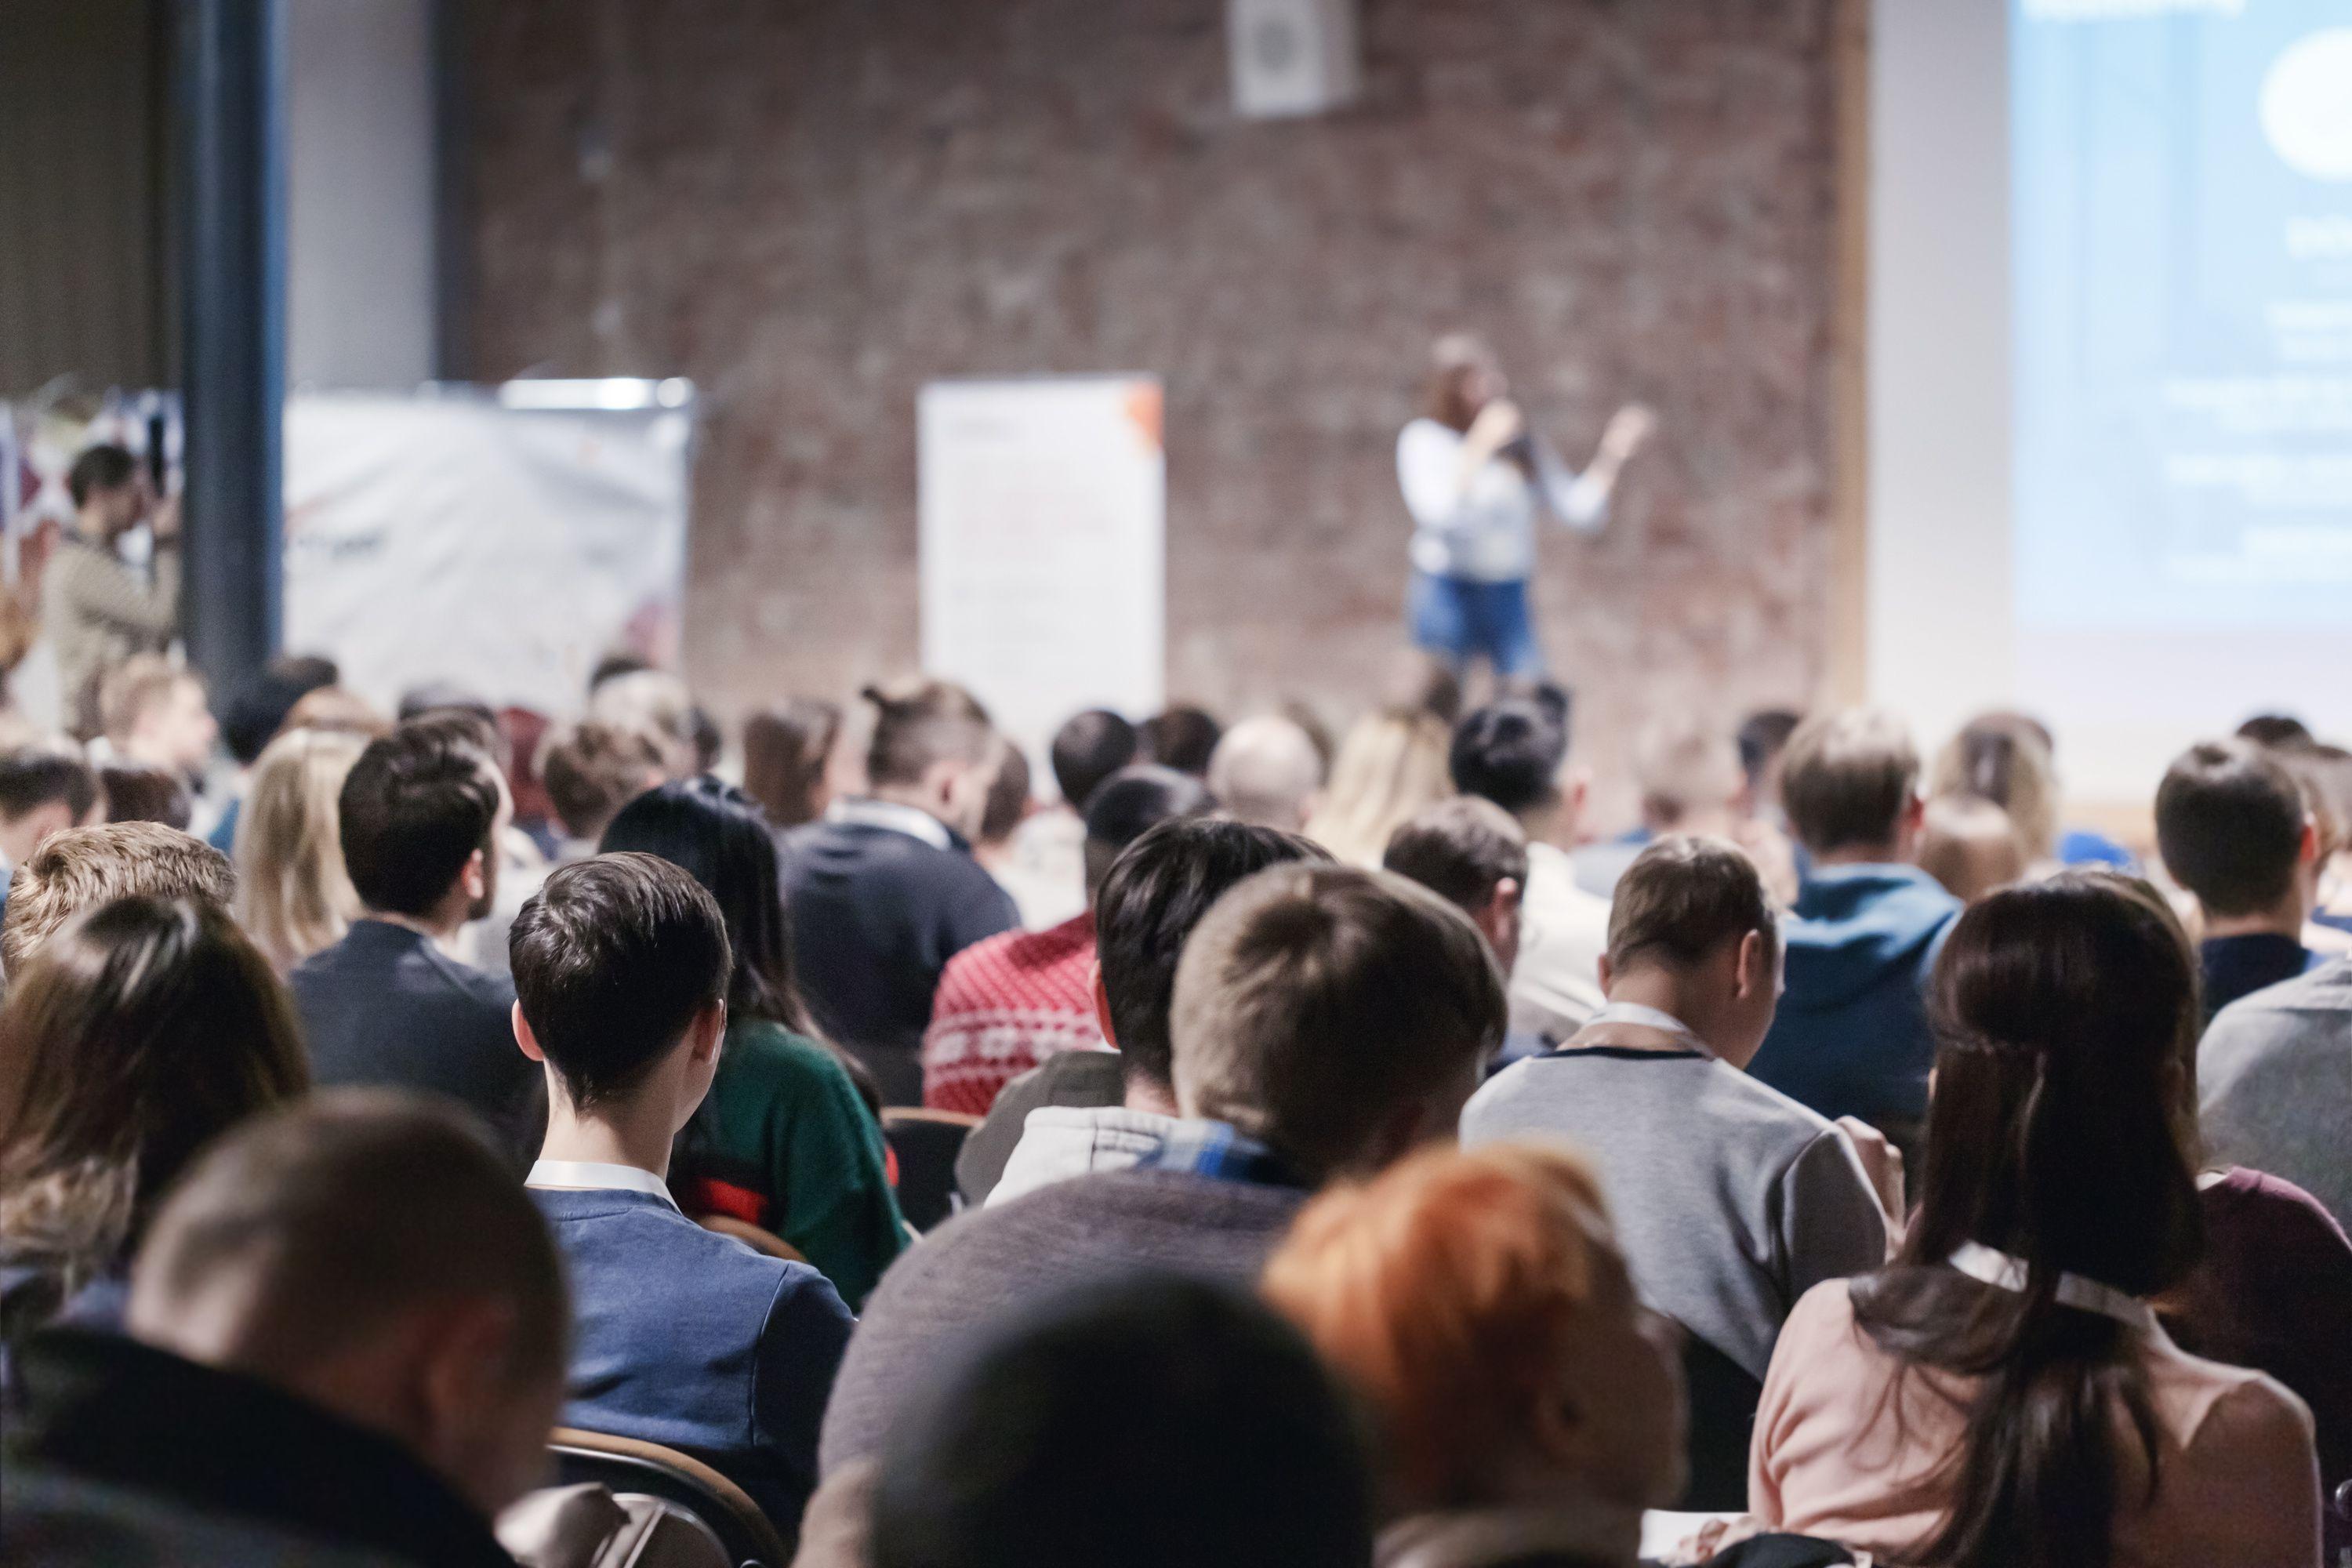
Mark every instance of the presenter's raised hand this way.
pixel 1629 427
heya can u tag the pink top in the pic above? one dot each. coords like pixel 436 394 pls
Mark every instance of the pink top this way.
pixel 2239 1485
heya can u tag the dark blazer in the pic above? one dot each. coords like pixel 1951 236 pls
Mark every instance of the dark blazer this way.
pixel 110 1432
pixel 385 1006
pixel 693 1340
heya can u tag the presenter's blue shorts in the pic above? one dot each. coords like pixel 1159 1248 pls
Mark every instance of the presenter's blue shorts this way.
pixel 1461 618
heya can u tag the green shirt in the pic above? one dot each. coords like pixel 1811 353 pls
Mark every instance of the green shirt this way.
pixel 784 1140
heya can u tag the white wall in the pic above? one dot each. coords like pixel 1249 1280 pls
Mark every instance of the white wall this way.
pixel 360 195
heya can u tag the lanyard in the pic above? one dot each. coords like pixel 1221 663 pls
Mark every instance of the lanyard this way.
pixel 2003 1272
pixel 1648 1018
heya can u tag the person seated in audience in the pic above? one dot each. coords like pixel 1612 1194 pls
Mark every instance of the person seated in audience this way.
pixel 1045 867
pixel 1527 1409
pixel 2275 730
pixel 2233 828
pixel 153 714
pixel 1151 1422
pixel 1151 898
pixel 788 755
pixel 1390 764
pixel 42 792
pixel 1515 755
pixel 294 895
pixel 135 792
pixel 1023 998
pixel 685 1338
pixel 1969 845
pixel 1732 1200
pixel 346 1344
pixel 885 890
pixel 1763 737
pixel 131 1038
pixel 1326 1022
pixel 1181 737
pixel 2004 758
pixel 1265 772
pixel 256 711
pixel 2274 1083
pixel 2325 773
pixel 652 702
pixel 1689 780
pixel 1473 855
pixel 1043 893
pixel 421 814
pixel 1851 1037
pixel 2002 1393
pixel 783 1140
pixel 591 772
pixel 75 871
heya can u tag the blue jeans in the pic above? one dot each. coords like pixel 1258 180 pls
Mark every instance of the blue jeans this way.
pixel 1461 618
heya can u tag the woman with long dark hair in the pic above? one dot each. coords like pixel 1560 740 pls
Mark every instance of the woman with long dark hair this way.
pixel 2002 1395
pixel 784 1140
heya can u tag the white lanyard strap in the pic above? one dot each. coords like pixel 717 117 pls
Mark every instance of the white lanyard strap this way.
pixel 2003 1272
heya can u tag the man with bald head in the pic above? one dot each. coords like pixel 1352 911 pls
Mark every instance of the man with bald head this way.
pixel 1265 772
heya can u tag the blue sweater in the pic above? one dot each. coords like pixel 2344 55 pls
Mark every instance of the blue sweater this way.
pixel 691 1340
pixel 1851 1038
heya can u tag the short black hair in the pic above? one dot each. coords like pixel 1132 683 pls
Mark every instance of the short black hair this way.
pixel 613 957
pixel 104 467
pixel 1183 738
pixel 613 666
pixel 1461 850
pixel 1153 896
pixel 35 776
pixel 2229 822
pixel 1130 803
pixel 2275 730
pixel 1762 736
pixel 442 697
pixel 1152 1421
pixel 1509 752
pixel 1088 749
pixel 136 793
pixel 413 808
pixel 257 710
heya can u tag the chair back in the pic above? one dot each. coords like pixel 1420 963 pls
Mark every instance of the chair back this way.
pixel 766 1243
pixel 1723 1401
pixel 926 1143
pixel 629 1464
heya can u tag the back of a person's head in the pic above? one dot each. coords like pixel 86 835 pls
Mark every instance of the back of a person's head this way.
pixel 37 775
pixel 2275 730
pixel 1007 804
pixel 139 1033
pixel 1478 1302
pixel 1321 1009
pixel 787 752
pixel 1266 770
pixel 1130 803
pixel 1181 737
pixel 137 793
pixel 1155 892
pixel 2062 1135
pixel 592 769
pixel 1088 748
pixel 1509 752
pixel 920 724
pixel 325 1235
pixel 1389 765
pixel 1683 898
pixel 1762 737
pixel 1968 844
pixel 714 833
pixel 1418 678
pixel 105 466
pixel 2326 773
pixel 133 689
pixel 1685 767
pixel 655 702
pixel 339 709
pixel 444 696
pixel 614 957
pixel 1154 1423
pixel 2002 758
pixel 258 707
pixel 79 869
pixel 415 807
pixel 2229 822
pixel 294 892
pixel 1461 850
pixel 1847 780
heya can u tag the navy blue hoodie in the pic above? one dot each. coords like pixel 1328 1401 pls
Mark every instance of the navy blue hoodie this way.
pixel 1851 1038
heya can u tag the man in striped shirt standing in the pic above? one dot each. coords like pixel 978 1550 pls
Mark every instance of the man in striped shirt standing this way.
pixel 98 609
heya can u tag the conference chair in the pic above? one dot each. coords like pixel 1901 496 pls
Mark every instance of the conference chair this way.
pixel 1722 1397
pixel 628 1465
pixel 926 1142
pixel 766 1243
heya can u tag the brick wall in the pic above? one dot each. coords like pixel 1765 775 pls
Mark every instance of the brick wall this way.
pixel 813 206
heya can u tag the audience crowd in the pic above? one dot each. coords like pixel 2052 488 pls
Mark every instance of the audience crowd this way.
pixel 1272 1150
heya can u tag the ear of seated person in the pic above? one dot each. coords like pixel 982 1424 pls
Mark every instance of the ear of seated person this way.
pixel 2003 1392
pixel 685 1338
pixel 421 814
pixel 345 1335
pixel 1731 1199
pixel 1325 1022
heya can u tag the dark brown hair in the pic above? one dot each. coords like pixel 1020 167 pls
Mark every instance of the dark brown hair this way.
pixel 1459 849
pixel 923 723
pixel 785 753
pixel 1846 778
pixel 1682 898
pixel 590 769
pixel 133 1036
pixel 2229 822
pixel 2065 1015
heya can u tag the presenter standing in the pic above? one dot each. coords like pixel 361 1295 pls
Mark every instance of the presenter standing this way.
pixel 1473 476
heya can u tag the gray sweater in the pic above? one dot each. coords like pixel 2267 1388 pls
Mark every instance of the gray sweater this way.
pixel 1730 1199
pixel 2275 1085
pixel 972 1272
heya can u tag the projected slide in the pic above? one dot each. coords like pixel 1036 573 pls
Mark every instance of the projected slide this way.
pixel 2182 261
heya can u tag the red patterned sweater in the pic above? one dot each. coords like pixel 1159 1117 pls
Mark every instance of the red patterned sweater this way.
pixel 1003 1006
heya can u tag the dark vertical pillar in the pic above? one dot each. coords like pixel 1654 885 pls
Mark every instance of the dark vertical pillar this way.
pixel 453 211
pixel 231 111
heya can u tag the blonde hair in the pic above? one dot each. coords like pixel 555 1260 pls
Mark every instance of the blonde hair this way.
pixel 1390 767
pixel 2002 758
pixel 294 896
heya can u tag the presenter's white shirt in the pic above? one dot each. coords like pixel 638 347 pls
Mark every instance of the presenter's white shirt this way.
pixel 1480 524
